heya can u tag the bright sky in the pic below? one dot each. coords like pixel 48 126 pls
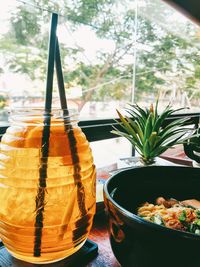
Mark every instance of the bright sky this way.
pixel 84 37
pixel 5 10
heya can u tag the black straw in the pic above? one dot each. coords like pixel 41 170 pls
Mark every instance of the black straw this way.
pixel 73 147
pixel 61 87
pixel 51 59
pixel 40 198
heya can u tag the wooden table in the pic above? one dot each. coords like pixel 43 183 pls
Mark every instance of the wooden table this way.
pixel 98 234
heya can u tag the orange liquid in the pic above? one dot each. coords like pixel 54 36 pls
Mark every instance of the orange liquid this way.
pixel 65 226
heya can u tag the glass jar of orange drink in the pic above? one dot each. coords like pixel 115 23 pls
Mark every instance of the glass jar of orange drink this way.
pixel 47 186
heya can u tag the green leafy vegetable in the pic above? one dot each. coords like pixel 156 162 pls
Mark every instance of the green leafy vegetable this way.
pixel 198 214
pixel 195 227
pixel 183 216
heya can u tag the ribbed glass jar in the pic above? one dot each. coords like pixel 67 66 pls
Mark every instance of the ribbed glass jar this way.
pixel 47 186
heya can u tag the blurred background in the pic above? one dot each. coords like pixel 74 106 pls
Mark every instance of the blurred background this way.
pixel 113 53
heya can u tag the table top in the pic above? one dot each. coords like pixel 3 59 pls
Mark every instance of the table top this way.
pixel 99 233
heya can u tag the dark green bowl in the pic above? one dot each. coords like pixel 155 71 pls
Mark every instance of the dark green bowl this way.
pixel 139 243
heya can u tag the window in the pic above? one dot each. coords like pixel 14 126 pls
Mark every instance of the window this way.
pixel 167 56
pixel 96 47
pixel 113 52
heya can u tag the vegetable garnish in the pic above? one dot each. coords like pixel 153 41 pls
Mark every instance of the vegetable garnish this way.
pixel 183 216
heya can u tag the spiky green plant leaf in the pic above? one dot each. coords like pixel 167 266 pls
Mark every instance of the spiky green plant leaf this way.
pixel 144 129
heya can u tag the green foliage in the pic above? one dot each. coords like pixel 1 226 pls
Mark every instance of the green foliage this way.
pixel 85 11
pixel 25 48
pixel 144 129
pixel 25 26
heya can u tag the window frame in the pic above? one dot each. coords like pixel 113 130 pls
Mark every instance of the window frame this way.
pixel 100 129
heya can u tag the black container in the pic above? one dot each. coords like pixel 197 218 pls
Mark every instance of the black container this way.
pixel 139 243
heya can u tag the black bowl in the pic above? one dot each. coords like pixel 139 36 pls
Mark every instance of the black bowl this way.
pixel 139 243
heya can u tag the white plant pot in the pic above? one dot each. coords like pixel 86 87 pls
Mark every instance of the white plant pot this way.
pixel 195 164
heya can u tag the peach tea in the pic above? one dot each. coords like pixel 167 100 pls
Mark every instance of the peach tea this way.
pixel 47 186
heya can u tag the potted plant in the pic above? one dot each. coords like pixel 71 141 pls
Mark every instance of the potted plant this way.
pixel 143 127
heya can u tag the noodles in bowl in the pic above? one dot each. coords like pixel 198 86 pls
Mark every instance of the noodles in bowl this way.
pixel 177 215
